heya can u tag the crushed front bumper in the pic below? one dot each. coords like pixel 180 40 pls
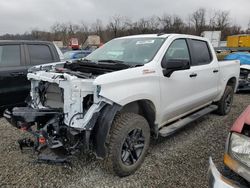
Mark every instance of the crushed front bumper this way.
pixel 216 180
pixel 29 115
pixel 46 135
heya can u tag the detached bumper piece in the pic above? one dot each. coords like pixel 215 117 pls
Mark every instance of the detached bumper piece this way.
pixel 216 180
pixel 46 135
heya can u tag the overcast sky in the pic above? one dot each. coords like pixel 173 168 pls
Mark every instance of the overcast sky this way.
pixel 18 16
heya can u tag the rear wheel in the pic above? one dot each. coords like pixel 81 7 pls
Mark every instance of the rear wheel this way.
pixel 128 145
pixel 226 101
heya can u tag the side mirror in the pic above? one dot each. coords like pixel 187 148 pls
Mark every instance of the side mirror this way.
pixel 171 65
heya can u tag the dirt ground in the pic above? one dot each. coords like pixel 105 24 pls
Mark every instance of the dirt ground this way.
pixel 177 161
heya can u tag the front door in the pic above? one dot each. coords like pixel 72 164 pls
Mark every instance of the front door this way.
pixel 178 92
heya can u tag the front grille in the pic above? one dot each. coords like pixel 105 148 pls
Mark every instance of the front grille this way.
pixel 53 96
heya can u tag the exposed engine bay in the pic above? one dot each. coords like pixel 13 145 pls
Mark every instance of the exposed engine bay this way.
pixel 64 107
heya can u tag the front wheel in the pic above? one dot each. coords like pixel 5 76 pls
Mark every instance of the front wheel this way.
pixel 226 101
pixel 129 142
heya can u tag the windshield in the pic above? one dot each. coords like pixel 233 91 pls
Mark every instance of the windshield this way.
pixel 68 55
pixel 129 50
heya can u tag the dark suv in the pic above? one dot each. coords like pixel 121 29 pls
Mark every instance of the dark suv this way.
pixel 16 57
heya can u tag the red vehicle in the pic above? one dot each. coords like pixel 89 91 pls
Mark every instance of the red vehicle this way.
pixel 74 44
pixel 237 153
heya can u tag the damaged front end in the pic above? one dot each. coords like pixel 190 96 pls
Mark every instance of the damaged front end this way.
pixel 45 125
pixel 244 79
pixel 64 112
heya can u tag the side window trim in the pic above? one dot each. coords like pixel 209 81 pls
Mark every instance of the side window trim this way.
pixel 210 52
pixel 20 54
pixel 53 52
pixel 188 47
pixel 39 44
pixel 24 60
pixel 27 57
pixel 192 53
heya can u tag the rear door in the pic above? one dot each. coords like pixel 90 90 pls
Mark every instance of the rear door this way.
pixel 206 69
pixel 40 53
pixel 14 87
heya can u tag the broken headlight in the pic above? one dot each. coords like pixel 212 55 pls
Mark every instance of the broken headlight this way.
pixel 239 148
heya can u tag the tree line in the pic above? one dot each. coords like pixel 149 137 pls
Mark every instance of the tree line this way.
pixel 195 24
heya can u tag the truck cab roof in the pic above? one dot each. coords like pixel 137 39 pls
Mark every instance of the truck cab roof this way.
pixel 24 41
pixel 162 35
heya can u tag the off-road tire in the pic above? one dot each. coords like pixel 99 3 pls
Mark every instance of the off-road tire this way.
pixel 223 108
pixel 122 126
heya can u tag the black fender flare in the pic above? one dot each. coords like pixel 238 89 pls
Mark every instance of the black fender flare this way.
pixel 102 128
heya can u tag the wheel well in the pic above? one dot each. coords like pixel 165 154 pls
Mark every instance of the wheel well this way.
pixel 144 108
pixel 232 82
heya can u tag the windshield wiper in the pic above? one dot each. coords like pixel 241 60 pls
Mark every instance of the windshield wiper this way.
pixel 111 61
pixel 117 62
pixel 121 62
pixel 84 60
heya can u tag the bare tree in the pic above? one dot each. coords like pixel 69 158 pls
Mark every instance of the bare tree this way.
pixel 116 25
pixel 212 21
pixel 166 23
pixel 153 22
pixel 199 20
pixel 178 24
pixel 248 28
pixel 97 27
pixel 143 25
pixel 120 26
pixel 222 19
pixel 60 32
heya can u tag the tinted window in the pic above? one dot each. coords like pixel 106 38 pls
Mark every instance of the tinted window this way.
pixel 201 52
pixel 10 55
pixel 39 54
pixel 178 50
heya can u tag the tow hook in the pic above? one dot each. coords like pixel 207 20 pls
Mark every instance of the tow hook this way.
pixel 30 143
pixel 25 142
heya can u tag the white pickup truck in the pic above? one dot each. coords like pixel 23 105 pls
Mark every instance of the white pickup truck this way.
pixel 130 89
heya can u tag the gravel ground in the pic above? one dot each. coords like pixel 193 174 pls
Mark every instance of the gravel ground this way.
pixel 177 161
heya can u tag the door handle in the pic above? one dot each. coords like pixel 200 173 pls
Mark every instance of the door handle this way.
pixel 17 73
pixel 192 75
pixel 215 70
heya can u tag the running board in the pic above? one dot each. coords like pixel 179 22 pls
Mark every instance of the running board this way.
pixel 172 128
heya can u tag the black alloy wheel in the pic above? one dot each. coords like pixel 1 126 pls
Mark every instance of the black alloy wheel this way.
pixel 132 147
